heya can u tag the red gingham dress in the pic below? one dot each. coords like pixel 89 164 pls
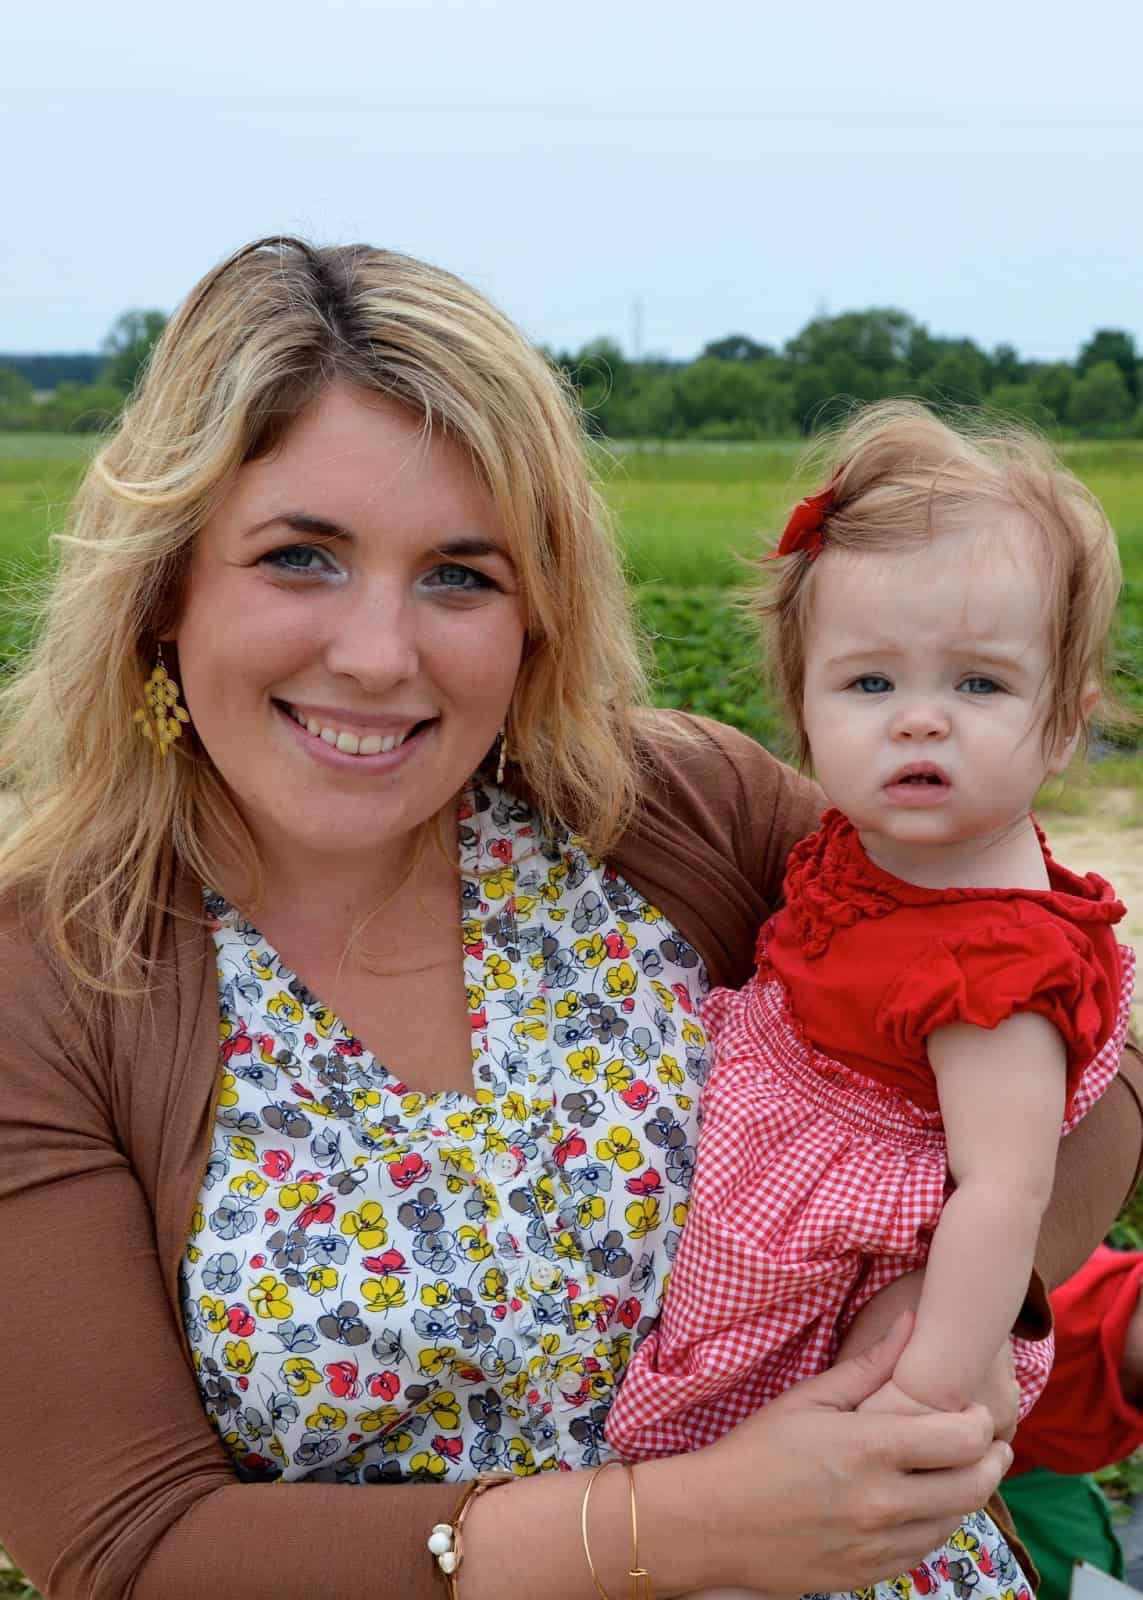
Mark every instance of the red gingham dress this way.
pixel 817 1185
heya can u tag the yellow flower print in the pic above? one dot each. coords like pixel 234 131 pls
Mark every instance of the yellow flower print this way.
pixel 590 1209
pixel 383 1294
pixel 319 1279
pixel 412 1104
pixel 367 1226
pixel 684 1101
pixel 520 1458
pixel 494 1142
pixel 284 1005
pixel 435 1361
pixel 496 885
pixel 489 1199
pixel 664 996
pixel 436 1294
pixel 277 1448
pixel 649 913
pixel 525 905
pixel 622 1147
pixel 194 1254
pixel 250 1184
pixel 261 964
pixel 590 952
pixel 549 1349
pixel 228 1094
pixel 544 1193
pixel 679 1213
pixel 558 914
pixel 242 1148
pixel 324 1020
pixel 498 973
pixel 570 1005
pixel 300 1375
pixel 198 1221
pixel 620 979
pixel 961 1539
pixel 516 1386
pixel 474 995
pixel 365 1099
pixel 670 1072
pixel 376 1419
pixel 458 1157
pixel 584 1064
pixel 327 1418
pixel 270 1297
pixel 534 1022
pixel 618 1076
pixel 461 1125
pixel 515 1107
pixel 483 1111
pixel 473 1243
pixel 445 1409
pixel 395 1444
pixel 293 1195
pixel 567 1246
pixel 493 1286
pixel 428 1464
pixel 902 1586
pixel 237 1356
pixel 536 962
pixel 693 1034
pixel 642 1216
pixel 213 1312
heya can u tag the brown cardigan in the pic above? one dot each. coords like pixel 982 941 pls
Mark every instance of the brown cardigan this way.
pixel 113 1483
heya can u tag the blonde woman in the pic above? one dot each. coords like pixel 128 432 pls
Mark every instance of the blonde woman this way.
pixel 355 930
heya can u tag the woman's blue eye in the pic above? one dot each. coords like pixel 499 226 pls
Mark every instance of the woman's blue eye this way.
pixel 980 685
pixel 451 576
pixel 872 683
pixel 303 558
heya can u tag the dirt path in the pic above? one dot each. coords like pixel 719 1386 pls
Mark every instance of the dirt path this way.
pixel 1104 843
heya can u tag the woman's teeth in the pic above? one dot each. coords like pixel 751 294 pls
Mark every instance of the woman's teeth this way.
pixel 374 744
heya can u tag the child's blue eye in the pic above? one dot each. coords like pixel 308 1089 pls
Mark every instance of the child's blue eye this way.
pixel 977 685
pixel 872 683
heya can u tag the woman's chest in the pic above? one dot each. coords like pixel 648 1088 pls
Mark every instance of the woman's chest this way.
pixel 387 1282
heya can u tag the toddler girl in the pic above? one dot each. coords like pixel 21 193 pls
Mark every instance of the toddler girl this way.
pixel 938 998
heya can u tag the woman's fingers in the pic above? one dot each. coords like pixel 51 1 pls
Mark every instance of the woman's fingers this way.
pixel 940 1439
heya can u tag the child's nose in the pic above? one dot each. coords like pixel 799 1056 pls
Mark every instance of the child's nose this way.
pixel 920 721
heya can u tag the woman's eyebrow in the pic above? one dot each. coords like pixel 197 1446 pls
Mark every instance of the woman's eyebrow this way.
pixel 302 522
pixel 472 545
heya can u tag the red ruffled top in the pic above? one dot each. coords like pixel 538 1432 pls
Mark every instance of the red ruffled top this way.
pixel 904 960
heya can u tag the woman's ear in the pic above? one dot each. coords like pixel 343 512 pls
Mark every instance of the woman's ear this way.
pixel 1066 743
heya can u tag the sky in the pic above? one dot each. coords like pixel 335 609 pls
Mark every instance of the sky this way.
pixel 658 172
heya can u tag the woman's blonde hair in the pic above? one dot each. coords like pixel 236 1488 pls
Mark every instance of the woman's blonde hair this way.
pixel 899 474
pixel 257 341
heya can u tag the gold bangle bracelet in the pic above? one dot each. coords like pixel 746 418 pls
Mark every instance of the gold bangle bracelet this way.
pixel 445 1542
pixel 640 1577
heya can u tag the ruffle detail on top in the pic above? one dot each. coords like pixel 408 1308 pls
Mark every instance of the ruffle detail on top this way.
pixel 831 883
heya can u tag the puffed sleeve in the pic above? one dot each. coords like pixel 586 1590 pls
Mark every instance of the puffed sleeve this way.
pixel 1047 966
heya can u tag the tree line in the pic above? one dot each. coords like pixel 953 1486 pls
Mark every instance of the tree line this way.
pixel 736 388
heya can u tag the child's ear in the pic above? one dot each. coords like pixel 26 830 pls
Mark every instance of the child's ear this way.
pixel 1066 743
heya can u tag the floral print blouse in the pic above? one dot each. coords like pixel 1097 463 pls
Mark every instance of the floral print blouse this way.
pixel 387 1285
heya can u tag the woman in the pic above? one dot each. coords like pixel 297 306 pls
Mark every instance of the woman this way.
pixel 347 521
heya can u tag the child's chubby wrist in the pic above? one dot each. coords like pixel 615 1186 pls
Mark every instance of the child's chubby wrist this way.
pixel 924 1386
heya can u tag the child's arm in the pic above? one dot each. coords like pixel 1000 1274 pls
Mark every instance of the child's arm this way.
pixel 1002 1094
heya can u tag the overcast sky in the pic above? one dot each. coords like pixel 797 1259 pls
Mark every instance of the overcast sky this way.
pixel 724 165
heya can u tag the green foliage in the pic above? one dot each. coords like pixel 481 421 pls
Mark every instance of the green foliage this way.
pixel 127 346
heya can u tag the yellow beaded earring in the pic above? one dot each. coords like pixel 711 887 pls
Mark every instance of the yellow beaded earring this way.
pixel 162 718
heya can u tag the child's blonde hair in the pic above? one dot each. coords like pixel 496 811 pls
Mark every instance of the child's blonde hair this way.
pixel 902 472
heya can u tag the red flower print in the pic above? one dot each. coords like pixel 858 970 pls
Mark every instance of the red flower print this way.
pixel 322 1210
pixel 464 810
pixel 648 1182
pixel 515 1304
pixel 243 1383
pixel 239 1321
pixel 679 990
pixel 640 1095
pixel 391 1261
pixel 276 1164
pixel 984 1561
pixel 479 1019
pixel 628 1004
pixel 301 1091
pixel 384 1384
pixel 499 1313
pixel 240 1045
pixel 573 1290
pixel 348 1047
pixel 448 1447
pixel 271 1215
pixel 470 1374
pixel 309 1177
pixel 941 1567
pixel 343 1380
pixel 476 948
pixel 501 849
pixel 311 1040
pixel 260 1261
pixel 629 1312
pixel 923 1578
pixel 573 1145
pixel 408 1169
pixel 616 946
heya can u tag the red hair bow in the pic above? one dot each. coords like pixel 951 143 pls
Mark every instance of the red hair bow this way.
pixel 804 529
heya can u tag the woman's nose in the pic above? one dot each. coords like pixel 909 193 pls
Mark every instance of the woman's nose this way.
pixel 375 640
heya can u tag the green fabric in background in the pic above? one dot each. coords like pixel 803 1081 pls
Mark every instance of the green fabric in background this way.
pixel 1062 1519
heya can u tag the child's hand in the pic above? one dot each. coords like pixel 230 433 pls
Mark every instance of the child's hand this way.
pixel 890 1397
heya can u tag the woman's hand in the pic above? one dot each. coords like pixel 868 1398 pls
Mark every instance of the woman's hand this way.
pixel 805 1495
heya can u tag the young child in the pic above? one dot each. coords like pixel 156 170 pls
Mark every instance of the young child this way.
pixel 938 998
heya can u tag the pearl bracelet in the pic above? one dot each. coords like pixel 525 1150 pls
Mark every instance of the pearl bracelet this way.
pixel 444 1541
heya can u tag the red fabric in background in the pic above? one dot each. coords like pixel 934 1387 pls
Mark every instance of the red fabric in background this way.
pixel 1082 1420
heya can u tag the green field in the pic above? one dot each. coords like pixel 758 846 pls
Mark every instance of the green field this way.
pixel 689 515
